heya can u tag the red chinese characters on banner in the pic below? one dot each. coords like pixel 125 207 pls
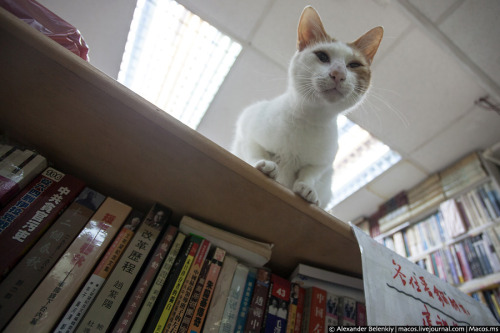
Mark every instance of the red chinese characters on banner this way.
pixel 419 284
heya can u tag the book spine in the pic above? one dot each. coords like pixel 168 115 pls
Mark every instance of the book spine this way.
pixel 188 315
pixel 167 309
pixel 16 287
pixel 109 299
pixel 317 310
pixel 245 302
pixel 292 312
pixel 29 227
pixel 331 314
pixel 347 311
pixel 72 317
pixel 16 173
pixel 259 300
pixel 299 318
pixel 42 310
pixel 136 298
pixel 166 290
pixel 207 292
pixel 361 319
pixel 278 302
pixel 188 286
pixel 165 269
pixel 233 302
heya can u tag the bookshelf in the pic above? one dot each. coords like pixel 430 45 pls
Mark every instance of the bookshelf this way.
pixel 96 129
pixel 418 237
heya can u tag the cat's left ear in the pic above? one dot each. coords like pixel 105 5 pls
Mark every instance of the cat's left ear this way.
pixel 310 29
pixel 368 43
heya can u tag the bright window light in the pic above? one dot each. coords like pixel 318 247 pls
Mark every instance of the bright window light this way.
pixel 360 159
pixel 175 60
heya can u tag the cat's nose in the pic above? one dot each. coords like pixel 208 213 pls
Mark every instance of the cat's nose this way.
pixel 338 75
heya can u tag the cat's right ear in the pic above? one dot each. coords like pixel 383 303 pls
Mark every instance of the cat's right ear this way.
pixel 310 29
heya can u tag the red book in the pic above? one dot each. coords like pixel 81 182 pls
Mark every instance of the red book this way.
pixel 277 305
pixel 26 218
pixel 299 317
pixel 314 310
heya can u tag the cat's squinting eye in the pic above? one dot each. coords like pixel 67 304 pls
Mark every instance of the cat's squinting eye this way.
pixel 322 56
pixel 354 64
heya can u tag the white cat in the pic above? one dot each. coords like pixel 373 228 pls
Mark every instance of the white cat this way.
pixel 293 138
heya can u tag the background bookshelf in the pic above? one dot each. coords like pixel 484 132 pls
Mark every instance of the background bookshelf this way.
pixel 449 224
pixel 90 126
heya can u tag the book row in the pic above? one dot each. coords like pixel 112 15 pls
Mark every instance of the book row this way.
pixel 490 297
pixel 77 260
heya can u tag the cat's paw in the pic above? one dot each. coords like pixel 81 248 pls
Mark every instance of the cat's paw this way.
pixel 269 168
pixel 306 192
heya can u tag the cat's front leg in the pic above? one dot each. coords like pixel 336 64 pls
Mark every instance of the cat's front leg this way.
pixel 306 191
pixel 306 183
pixel 268 168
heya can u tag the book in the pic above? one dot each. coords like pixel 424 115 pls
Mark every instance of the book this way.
pixel 208 290
pixel 452 219
pixel 314 310
pixel 27 220
pixel 259 300
pixel 80 305
pixel 361 319
pixel 164 311
pixel 159 281
pixel 233 301
pixel 195 296
pixel 138 295
pixel 277 304
pixel 331 310
pixel 295 294
pixel 339 284
pixel 109 299
pixel 299 317
pixel 17 287
pixel 43 308
pixel 219 295
pixel 347 311
pixel 246 250
pixel 175 318
pixel 17 169
pixel 245 301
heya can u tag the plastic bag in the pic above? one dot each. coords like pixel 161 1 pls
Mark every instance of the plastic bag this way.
pixel 49 24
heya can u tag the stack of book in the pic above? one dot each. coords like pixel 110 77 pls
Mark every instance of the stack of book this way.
pixel 464 173
pixel 100 265
pixel 426 195
pixel 394 212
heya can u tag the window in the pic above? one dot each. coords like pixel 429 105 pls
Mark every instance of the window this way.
pixel 175 60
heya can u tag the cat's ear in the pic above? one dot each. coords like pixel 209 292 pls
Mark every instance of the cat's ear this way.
pixel 368 43
pixel 310 29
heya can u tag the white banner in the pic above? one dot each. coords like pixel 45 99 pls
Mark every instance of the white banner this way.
pixel 399 292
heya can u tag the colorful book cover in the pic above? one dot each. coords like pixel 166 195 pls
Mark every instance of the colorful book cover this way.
pixel 331 314
pixel 172 297
pixel 31 213
pixel 142 287
pixel 259 301
pixel 361 319
pixel 245 302
pixel 182 301
pixel 42 310
pixel 277 308
pixel 347 311
pixel 109 299
pixel 299 318
pixel 155 289
pixel 27 274
pixel 207 291
pixel 292 312
pixel 230 314
pixel 81 304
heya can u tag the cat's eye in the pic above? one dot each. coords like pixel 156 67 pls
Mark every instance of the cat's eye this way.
pixel 354 64
pixel 322 56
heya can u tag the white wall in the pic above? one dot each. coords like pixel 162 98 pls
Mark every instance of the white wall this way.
pixel 104 25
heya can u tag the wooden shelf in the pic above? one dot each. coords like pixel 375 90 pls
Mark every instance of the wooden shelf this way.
pixel 89 125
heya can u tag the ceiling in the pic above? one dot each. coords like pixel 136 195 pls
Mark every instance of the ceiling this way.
pixel 436 59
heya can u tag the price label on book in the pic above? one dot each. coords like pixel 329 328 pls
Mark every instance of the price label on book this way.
pixel 398 292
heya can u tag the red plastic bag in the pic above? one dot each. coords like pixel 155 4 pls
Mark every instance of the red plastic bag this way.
pixel 49 24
